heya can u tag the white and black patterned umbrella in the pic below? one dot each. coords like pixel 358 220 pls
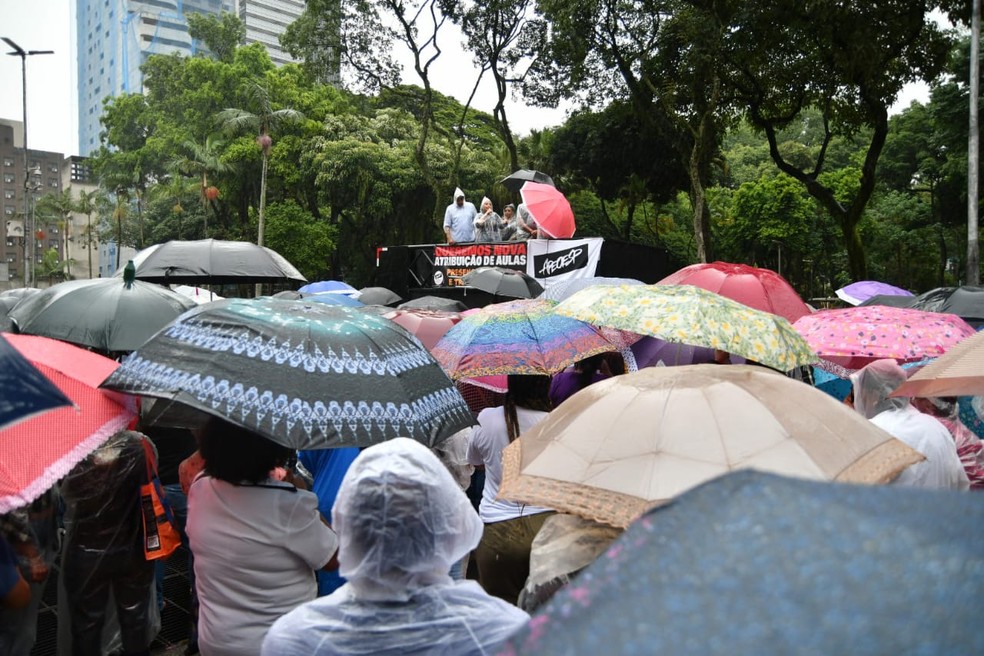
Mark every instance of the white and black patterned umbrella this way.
pixel 305 375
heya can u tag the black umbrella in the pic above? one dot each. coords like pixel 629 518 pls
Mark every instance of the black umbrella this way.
pixel 110 314
pixel 966 302
pixel 514 181
pixel 754 563
pixel 503 282
pixel 378 296
pixel 213 261
pixel 889 300
pixel 305 375
pixel 434 303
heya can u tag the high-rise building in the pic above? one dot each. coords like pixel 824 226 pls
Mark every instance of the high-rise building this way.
pixel 266 20
pixel 114 37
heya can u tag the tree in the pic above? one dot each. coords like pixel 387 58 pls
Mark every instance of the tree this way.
pixel 263 119
pixel 52 266
pixel 221 34
pixel 60 206
pixel 847 59
pixel 86 204
pixel 199 160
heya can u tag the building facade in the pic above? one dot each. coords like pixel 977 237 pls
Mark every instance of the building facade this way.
pixel 266 20
pixel 114 37
pixel 25 235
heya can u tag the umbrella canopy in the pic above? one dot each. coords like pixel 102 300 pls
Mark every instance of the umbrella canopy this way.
pixel 958 372
pixel 762 289
pixel 435 303
pixel 858 292
pixel 521 337
pixel 212 261
pixel 564 289
pixel 515 180
pixel 889 300
pixel 305 375
pixel 426 325
pixel 329 287
pixel 754 563
pixel 327 298
pixel 654 352
pixel 550 208
pixel 8 299
pixel 849 338
pixel 109 314
pixel 35 453
pixel 503 282
pixel 691 315
pixel 197 294
pixel 378 296
pixel 26 392
pixel 966 302
pixel 622 445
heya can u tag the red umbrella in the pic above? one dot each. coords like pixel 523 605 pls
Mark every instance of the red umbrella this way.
pixel 757 288
pixel 550 208
pixel 35 453
pixel 428 326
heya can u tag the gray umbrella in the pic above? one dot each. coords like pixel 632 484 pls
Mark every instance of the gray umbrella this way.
pixel 500 281
pixel 435 303
pixel 515 180
pixel 213 261
pixel 378 296
pixel 109 314
pixel 754 563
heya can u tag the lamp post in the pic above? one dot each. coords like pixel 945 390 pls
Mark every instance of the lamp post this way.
pixel 28 238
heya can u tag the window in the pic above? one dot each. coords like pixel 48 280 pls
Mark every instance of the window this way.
pixel 8 194
pixel 11 258
pixel 53 244
pixel 7 161
pixel 10 242
pixel 9 210
pixel 8 177
pixel 53 168
pixel 53 183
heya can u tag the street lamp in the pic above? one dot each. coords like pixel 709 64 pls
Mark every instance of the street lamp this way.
pixel 24 54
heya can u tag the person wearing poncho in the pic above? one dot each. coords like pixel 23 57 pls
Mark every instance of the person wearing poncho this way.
pixel 895 415
pixel 459 218
pixel 402 521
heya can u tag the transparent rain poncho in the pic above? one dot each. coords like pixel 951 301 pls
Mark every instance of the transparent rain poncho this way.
pixel 402 521
pixel 942 467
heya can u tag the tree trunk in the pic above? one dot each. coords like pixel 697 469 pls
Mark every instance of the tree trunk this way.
pixel 973 153
pixel 702 223
pixel 88 240
pixel 259 231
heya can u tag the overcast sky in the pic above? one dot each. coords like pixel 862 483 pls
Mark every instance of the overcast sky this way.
pixel 51 93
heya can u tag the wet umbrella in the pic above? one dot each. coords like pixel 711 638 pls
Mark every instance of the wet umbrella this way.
pixel 754 563
pixel 858 292
pixel 326 298
pixel 378 296
pixel 197 294
pixel 305 375
pixel 426 325
pixel 888 299
pixel 8 299
pixel 520 337
pixel 622 445
pixel 762 289
pixel 958 372
pixel 110 314
pixel 213 261
pixel 847 339
pixel 515 180
pixel 564 289
pixel 25 390
pixel 35 453
pixel 690 315
pixel 500 281
pixel 435 303
pixel 329 287
pixel 550 208
pixel 966 302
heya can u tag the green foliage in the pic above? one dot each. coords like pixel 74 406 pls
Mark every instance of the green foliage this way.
pixel 307 243
pixel 221 34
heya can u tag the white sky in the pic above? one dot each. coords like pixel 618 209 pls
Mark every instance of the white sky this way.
pixel 51 104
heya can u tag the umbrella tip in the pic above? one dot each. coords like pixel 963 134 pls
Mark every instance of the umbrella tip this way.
pixel 129 274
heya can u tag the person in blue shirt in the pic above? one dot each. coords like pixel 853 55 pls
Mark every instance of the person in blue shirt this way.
pixel 459 219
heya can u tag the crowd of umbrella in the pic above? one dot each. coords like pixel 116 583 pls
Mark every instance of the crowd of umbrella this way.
pixel 329 365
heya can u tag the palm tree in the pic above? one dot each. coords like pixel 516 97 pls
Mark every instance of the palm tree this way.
pixel 200 159
pixel 59 206
pixel 86 204
pixel 262 121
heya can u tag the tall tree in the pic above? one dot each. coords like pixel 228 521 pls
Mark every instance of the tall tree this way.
pixel 199 160
pixel 221 34
pixel 261 118
pixel 86 204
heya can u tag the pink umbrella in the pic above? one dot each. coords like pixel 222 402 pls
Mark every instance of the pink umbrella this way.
pixel 848 339
pixel 428 326
pixel 762 289
pixel 550 208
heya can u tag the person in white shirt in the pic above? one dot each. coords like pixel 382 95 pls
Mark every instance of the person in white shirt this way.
pixel 503 555
pixel 942 467
pixel 402 521
pixel 257 541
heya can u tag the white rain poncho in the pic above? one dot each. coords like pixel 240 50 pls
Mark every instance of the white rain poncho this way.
pixel 402 522
pixel 942 467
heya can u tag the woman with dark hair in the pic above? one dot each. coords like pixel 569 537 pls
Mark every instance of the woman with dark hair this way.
pixel 503 555
pixel 257 541
pixel 584 372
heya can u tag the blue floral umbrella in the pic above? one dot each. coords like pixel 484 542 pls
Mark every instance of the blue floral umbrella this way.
pixel 306 375
pixel 753 563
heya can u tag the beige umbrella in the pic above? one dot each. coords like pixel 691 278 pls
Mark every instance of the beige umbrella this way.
pixel 623 445
pixel 958 372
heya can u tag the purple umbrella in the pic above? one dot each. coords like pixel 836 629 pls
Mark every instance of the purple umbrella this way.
pixel 858 292
pixel 650 351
